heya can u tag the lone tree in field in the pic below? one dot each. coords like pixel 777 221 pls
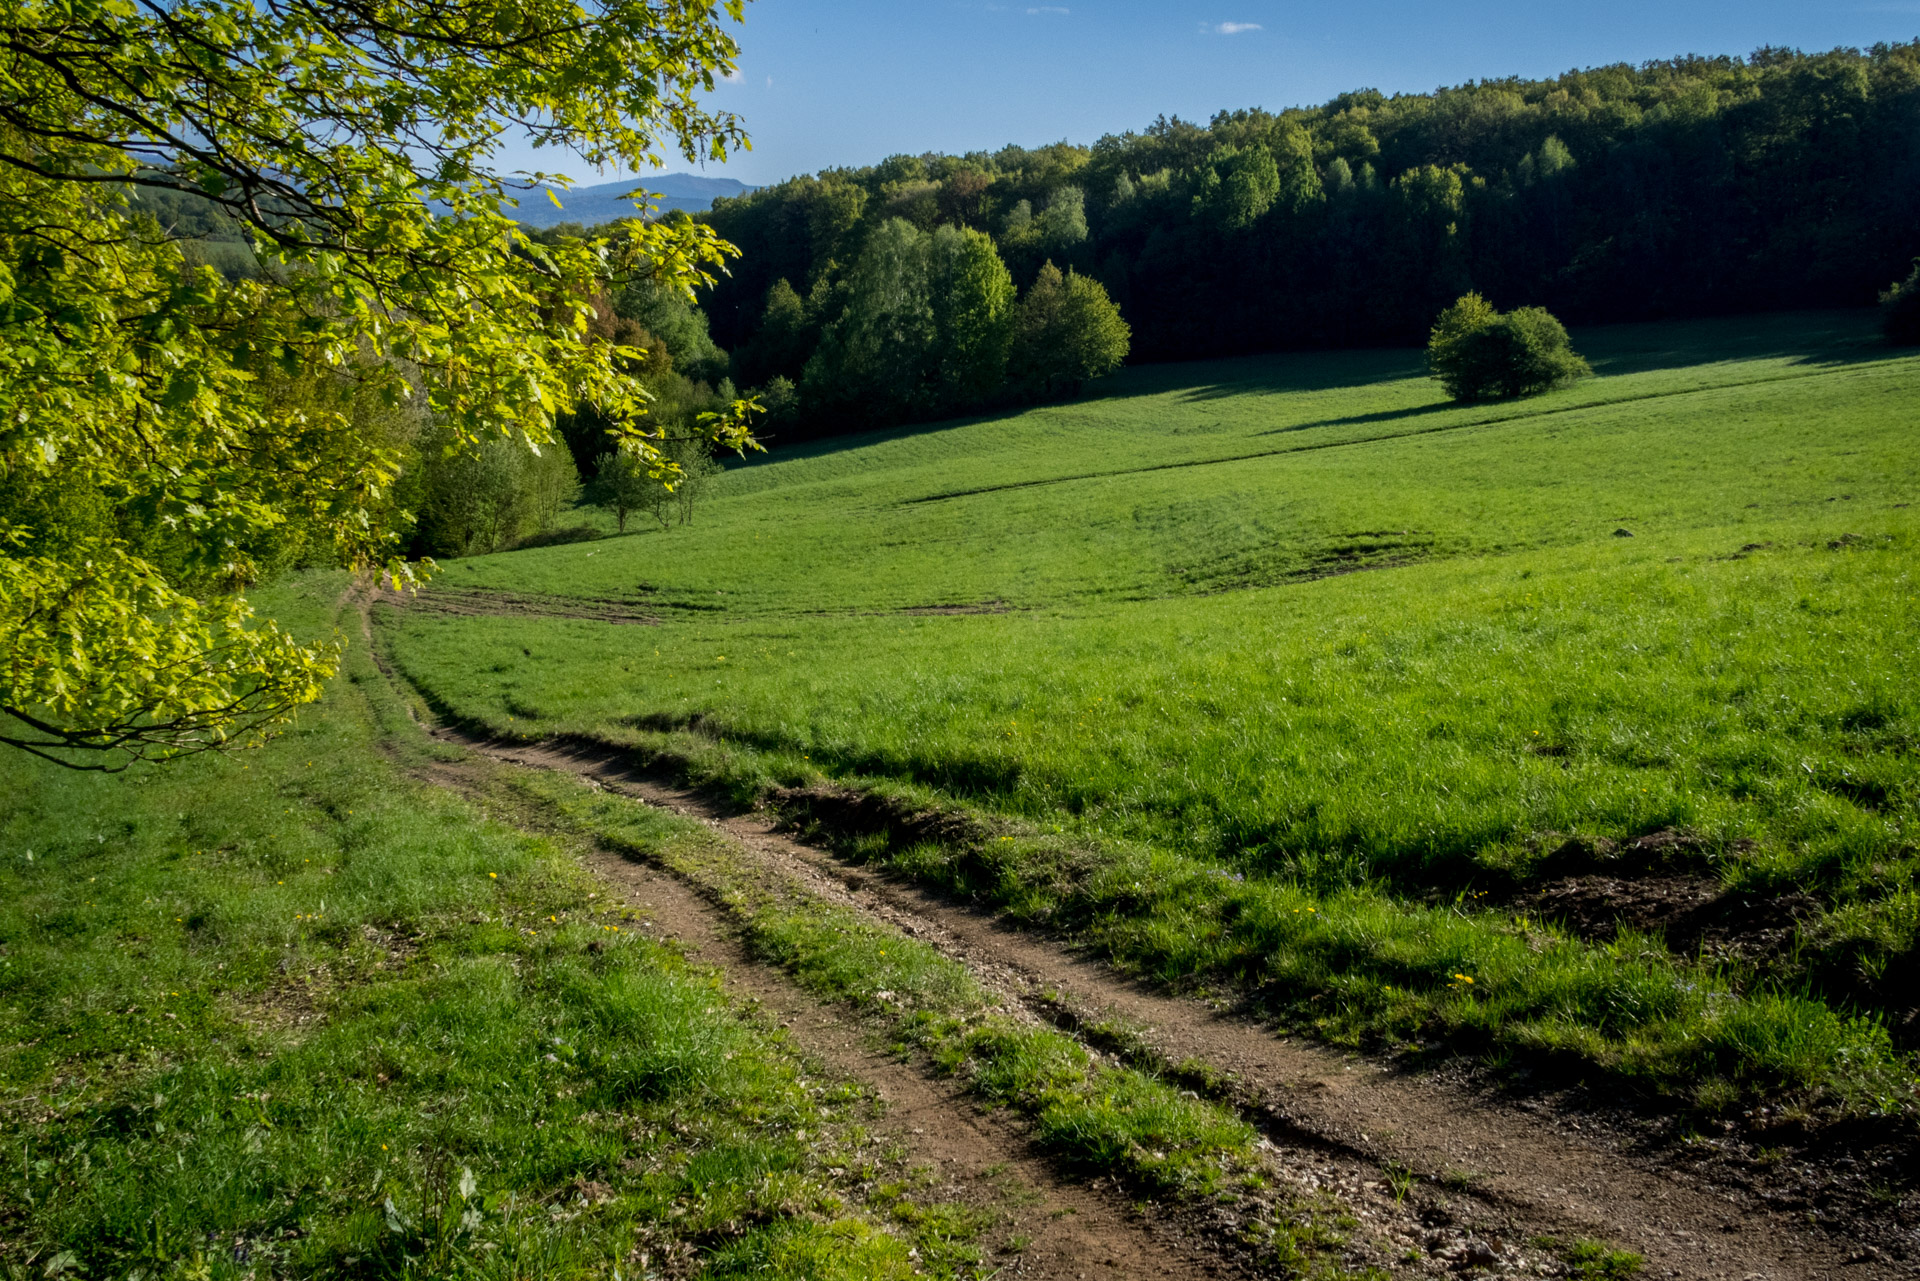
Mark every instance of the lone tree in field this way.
pixel 147 466
pixel 1900 310
pixel 1480 353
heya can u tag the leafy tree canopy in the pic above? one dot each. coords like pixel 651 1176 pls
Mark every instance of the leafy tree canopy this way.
pixel 1480 353
pixel 924 326
pixel 1689 186
pixel 1067 331
pixel 1901 310
pixel 147 465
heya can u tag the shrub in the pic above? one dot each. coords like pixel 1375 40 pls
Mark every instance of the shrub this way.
pixel 1900 310
pixel 492 496
pixel 623 484
pixel 1479 353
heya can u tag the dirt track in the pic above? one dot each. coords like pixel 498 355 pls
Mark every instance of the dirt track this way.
pixel 1495 1176
pixel 1046 1227
pixel 1510 1172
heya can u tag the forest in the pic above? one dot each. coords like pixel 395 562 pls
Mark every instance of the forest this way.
pixel 1688 187
pixel 928 286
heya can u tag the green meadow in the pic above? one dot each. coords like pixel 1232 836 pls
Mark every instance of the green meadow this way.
pixel 290 1013
pixel 1284 675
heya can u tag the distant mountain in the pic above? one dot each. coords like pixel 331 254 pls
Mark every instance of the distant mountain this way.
pixel 603 203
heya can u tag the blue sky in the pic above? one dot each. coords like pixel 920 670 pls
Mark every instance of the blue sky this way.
pixel 849 82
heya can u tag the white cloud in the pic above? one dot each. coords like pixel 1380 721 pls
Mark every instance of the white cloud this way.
pixel 1048 8
pixel 1233 28
pixel 734 77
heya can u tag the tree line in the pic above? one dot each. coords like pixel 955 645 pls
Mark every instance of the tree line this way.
pixel 1682 187
pixel 934 285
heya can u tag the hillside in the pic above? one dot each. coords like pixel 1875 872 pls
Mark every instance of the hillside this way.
pixel 1321 694
pixel 1262 820
pixel 606 202
pixel 1649 627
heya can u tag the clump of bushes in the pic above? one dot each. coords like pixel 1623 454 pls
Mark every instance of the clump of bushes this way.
pixel 1900 310
pixel 623 483
pixel 1481 353
pixel 493 496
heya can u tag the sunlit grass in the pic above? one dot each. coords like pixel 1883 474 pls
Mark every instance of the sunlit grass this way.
pixel 1179 694
pixel 292 1013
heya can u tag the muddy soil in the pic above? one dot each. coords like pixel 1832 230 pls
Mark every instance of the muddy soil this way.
pixel 1695 914
pixel 1494 1173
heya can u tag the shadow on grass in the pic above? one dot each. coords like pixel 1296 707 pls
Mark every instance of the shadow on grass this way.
pixel 965 775
pixel 1813 340
pixel 1280 374
pixel 1824 339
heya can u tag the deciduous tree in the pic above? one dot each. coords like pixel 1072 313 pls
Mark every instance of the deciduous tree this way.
pixel 328 131
pixel 1068 331
pixel 973 310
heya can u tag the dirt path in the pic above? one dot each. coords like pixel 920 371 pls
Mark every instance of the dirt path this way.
pixel 1046 1228
pixel 478 602
pixel 1501 1170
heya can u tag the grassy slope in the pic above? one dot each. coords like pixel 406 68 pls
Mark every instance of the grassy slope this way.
pixel 841 526
pixel 1302 767
pixel 292 1011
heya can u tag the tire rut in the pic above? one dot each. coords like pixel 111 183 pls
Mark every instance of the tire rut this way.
pixel 1066 1231
pixel 1489 1169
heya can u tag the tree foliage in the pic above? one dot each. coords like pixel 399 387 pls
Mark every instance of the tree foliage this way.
pixel 1478 353
pixel 924 326
pixel 142 381
pixel 973 299
pixel 1694 186
pixel 1068 331
pixel 1900 310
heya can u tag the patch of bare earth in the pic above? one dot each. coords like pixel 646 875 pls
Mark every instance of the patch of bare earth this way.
pixel 1046 1227
pixel 980 607
pixel 469 602
pixel 1493 1174
pixel 1661 884
pixel 1693 913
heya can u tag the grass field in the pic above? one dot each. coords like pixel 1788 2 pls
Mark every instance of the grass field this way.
pixel 292 1014
pixel 1642 806
pixel 1273 676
